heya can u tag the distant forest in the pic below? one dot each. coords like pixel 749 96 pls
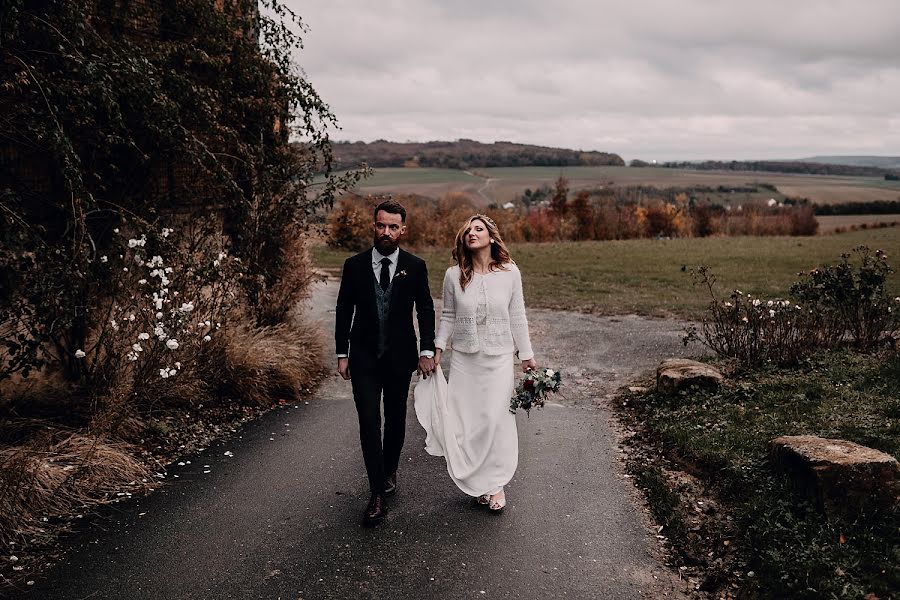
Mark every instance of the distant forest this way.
pixel 779 166
pixel 464 154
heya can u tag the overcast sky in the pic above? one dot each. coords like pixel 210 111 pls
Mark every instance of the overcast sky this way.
pixel 651 79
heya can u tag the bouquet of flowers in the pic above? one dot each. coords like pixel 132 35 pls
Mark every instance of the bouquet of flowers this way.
pixel 533 388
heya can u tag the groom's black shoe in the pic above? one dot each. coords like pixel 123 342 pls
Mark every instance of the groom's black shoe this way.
pixel 375 511
pixel 390 484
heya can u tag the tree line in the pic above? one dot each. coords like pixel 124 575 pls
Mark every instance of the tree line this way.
pixel 464 154
pixel 775 166
pixel 605 214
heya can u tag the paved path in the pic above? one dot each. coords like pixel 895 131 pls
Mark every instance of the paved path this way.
pixel 280 519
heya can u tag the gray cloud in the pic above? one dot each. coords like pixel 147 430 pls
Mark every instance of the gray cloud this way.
pixel 649 79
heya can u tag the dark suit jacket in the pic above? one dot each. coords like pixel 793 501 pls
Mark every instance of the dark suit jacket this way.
pixel 356 319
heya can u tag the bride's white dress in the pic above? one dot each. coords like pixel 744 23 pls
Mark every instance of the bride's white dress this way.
pixel 467 420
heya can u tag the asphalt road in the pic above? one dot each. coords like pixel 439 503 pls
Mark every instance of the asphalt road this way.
pixel 281 517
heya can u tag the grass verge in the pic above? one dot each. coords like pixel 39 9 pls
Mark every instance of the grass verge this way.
pixel 702 460
pixel 648 277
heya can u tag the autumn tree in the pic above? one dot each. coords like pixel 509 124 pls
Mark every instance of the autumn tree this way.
pixel 560 197
pixel 583 213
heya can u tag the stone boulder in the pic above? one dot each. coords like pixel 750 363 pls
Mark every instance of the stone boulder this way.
pixel 841 477
pixel 675 374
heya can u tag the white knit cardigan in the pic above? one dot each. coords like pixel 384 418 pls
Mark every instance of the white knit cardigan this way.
pixel 505 327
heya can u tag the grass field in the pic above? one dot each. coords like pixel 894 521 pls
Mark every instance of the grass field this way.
pixel 503 184
pixel 646 276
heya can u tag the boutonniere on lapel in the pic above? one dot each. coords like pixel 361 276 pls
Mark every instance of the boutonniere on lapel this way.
pixel 400 274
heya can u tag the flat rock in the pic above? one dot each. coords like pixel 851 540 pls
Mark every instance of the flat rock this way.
pixel 842 477
pixel 675 374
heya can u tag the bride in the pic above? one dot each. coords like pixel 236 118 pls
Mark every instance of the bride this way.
pixel 483 319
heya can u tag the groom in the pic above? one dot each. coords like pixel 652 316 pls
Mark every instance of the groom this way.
pixel 376 345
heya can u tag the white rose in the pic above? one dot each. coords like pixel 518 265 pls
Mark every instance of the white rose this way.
pixel 550 372
pixel 143 336
pixel 172 344
pixel 80 354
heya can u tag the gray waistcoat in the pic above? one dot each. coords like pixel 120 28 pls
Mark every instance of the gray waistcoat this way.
pixel 383 309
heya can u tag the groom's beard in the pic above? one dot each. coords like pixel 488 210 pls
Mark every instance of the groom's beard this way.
pixel 386 245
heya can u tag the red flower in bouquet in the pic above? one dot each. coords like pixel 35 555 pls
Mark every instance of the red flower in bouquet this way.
pixel 533 388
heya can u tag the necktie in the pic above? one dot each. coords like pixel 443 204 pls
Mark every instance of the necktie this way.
pixel 385 279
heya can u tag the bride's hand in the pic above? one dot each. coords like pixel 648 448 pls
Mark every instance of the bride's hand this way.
pixel 528 364
pixel 437 356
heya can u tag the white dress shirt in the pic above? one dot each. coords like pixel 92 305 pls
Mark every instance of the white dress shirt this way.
pixel 376 262
pixel 392 268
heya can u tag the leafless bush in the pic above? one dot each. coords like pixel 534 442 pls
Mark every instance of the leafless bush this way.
pixel 829 306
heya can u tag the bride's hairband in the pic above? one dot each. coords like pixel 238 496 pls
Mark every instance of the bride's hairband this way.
pixel 486 219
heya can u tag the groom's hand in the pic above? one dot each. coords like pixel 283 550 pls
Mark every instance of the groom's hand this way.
pixel 426 366
pixel 344 367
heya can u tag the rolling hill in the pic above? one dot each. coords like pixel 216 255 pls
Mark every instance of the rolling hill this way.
pixel 464 154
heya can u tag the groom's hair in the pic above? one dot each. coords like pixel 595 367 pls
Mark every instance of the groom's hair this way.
pixel 391 206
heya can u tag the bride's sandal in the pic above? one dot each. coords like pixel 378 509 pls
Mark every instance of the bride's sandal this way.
pixel 484 499
pixel 497 501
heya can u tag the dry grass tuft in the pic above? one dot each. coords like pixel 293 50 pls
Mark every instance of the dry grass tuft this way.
pixel 50 477
pixel 261 364
pixel 43 395
pixel 279 303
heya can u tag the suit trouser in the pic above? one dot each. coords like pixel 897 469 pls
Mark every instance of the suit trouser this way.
pixel 381 458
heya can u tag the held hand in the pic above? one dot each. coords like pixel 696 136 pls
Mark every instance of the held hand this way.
pixel 426 366
pixel 344 368
pixel 437 356
pixel 528 365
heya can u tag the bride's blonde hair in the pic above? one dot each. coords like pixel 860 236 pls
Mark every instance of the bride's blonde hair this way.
pixel 463 256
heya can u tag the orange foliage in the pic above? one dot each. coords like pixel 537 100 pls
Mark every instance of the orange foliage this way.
pixel 589 216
